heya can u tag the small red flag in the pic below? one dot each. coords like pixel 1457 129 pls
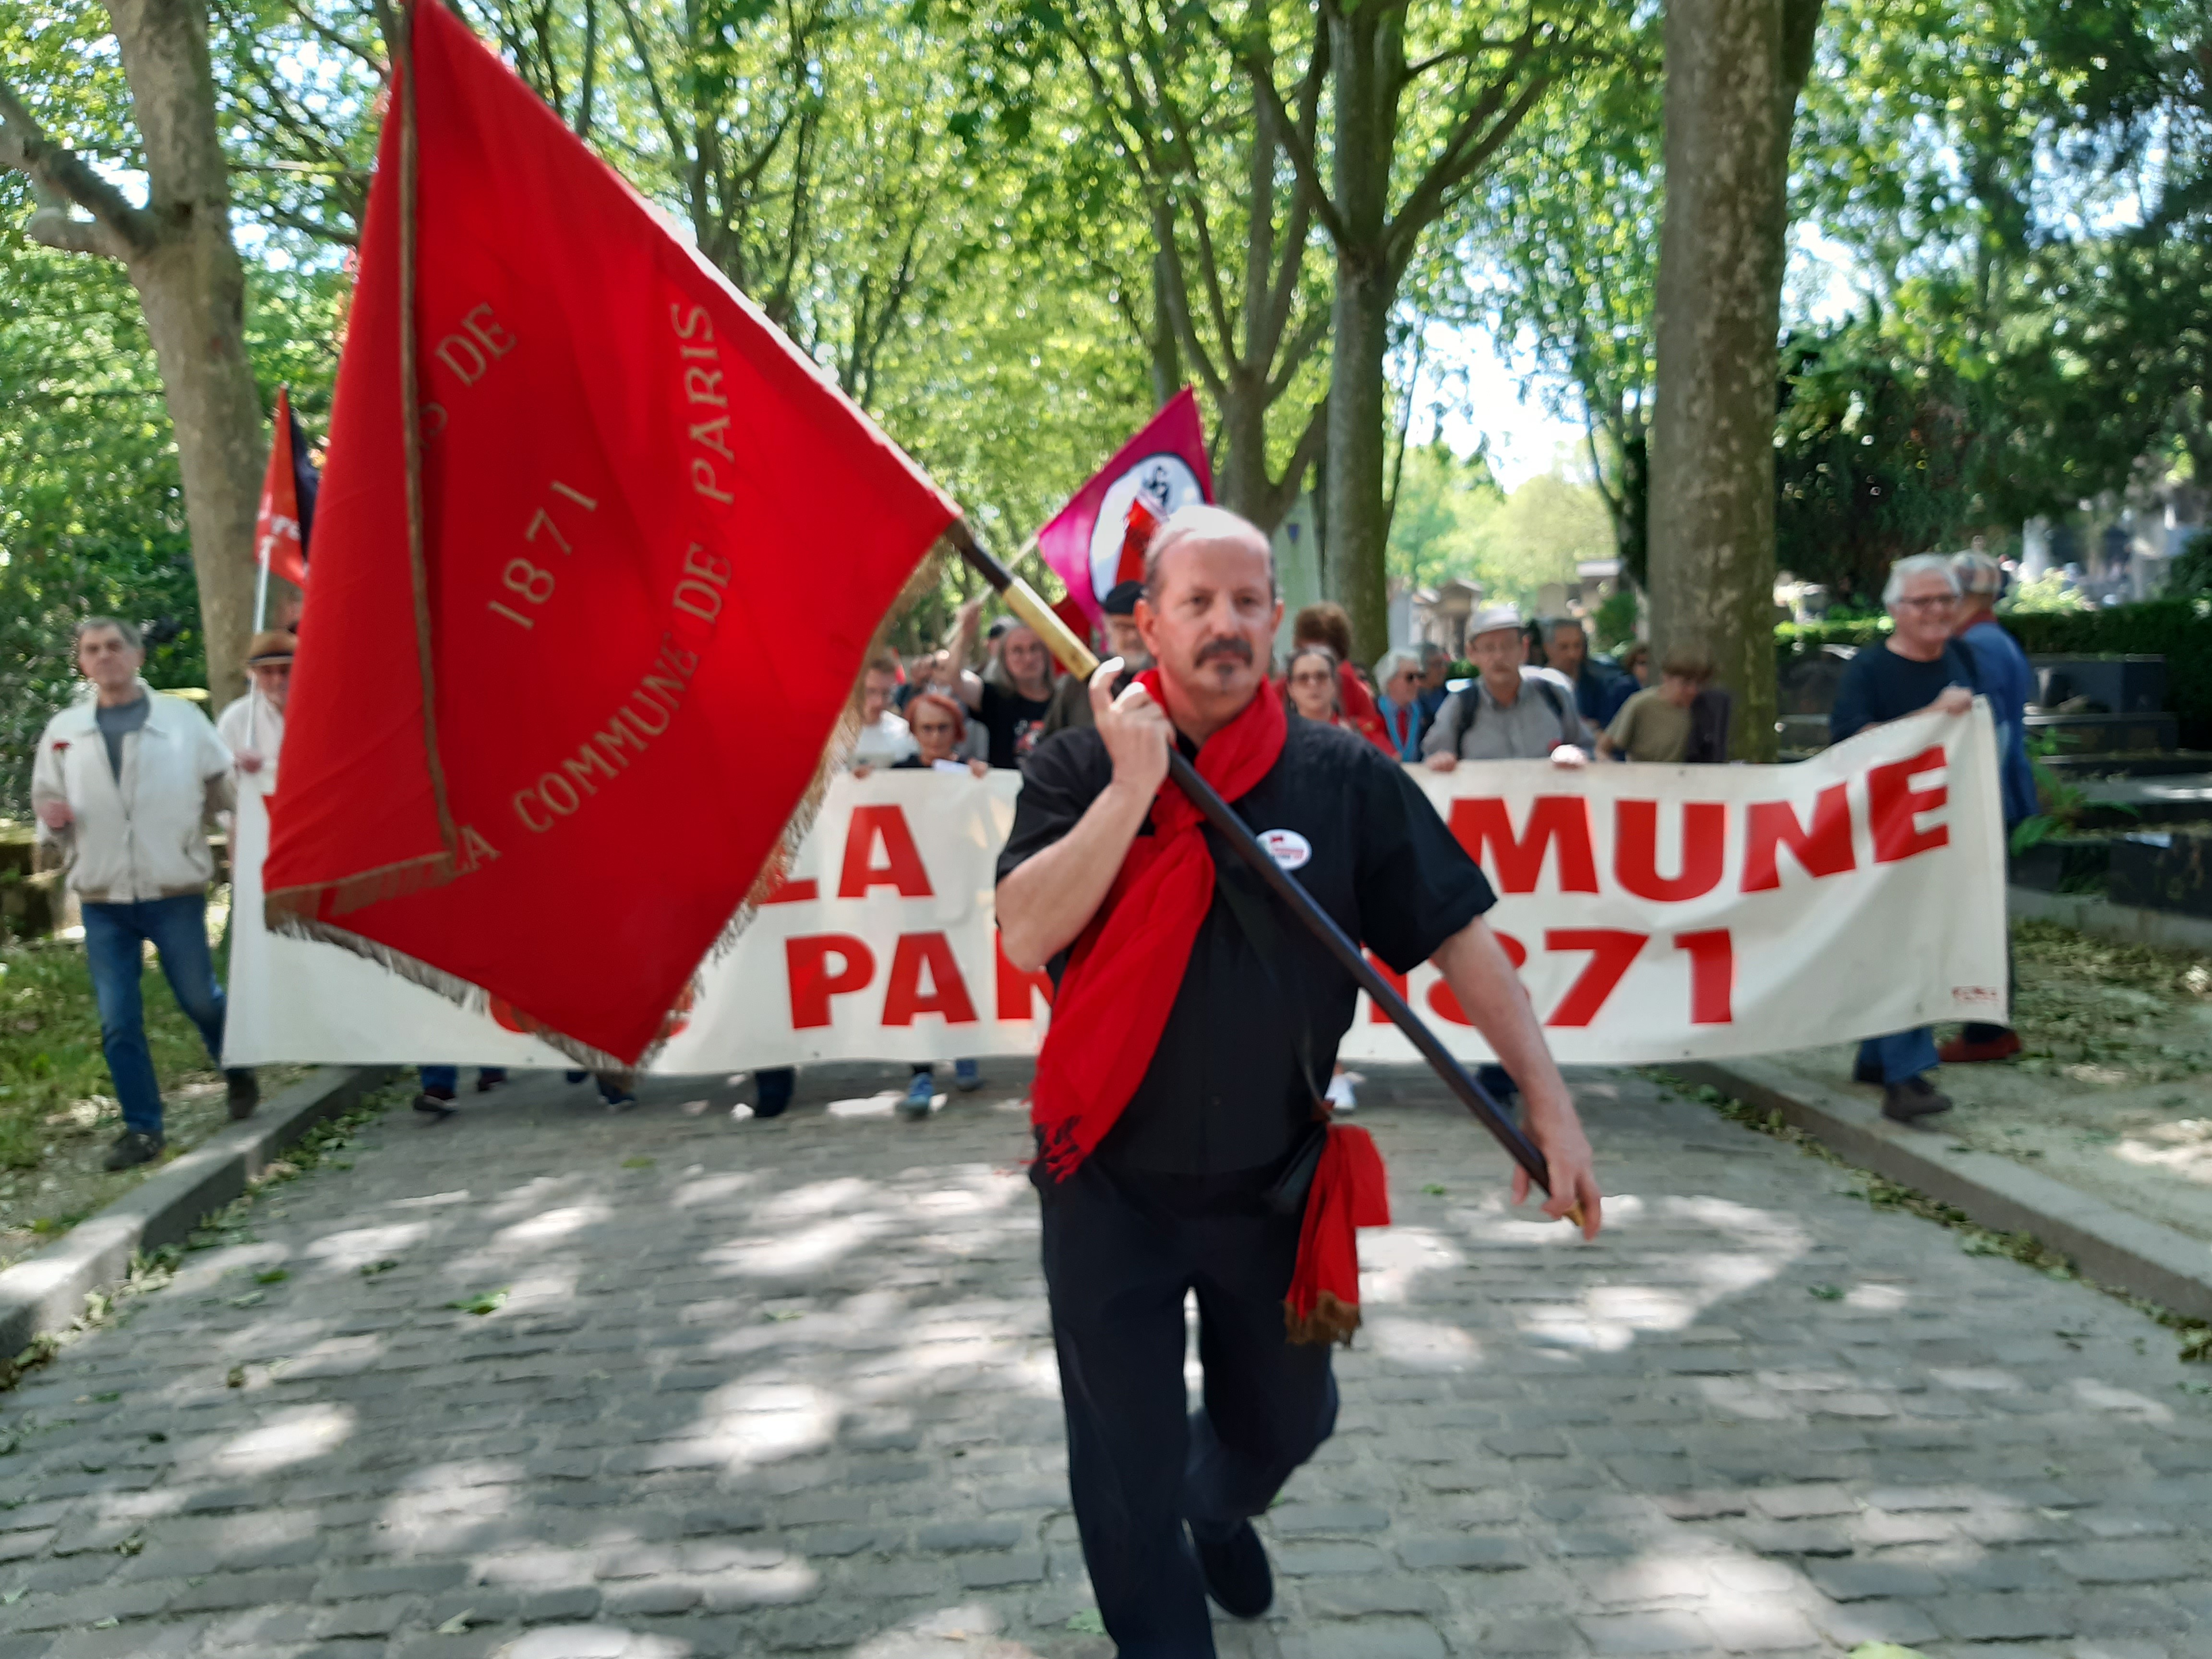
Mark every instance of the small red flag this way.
pixel 1161 468
pixel 278 540
pixel 657 546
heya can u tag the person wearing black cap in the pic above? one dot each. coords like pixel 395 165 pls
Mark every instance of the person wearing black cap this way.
pixel 1071 698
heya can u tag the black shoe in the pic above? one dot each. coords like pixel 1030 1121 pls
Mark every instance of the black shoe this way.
pixel 488 1080
pixel 1866 1070
pixel 1914 1098
pixel 1236 1572
pixel 244 1091
pixel 133 1148
pixel 436 1103
pixel 775 1087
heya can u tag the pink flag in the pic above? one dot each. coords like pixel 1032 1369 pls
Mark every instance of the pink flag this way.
pixel 1161 468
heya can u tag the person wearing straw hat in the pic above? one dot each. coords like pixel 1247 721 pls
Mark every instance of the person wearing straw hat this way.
pixel 252 727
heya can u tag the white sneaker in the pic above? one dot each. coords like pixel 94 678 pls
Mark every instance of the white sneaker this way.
pixel 1340 1096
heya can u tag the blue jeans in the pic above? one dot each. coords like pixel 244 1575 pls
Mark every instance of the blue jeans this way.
pixel 115 936
pixel 448 1078
pixel 1899 1055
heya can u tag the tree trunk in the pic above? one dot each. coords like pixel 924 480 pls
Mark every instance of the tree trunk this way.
pixel 1366 55
pixel 1733 69
pixel 1244 486
pixel 1358 410
pixel 192 288
pixel 1167 357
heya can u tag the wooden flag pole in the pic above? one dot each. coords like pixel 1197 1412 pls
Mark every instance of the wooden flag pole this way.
pixel 1076 657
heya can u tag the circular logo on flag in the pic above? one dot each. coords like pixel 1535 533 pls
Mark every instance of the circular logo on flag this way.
pixel 1162 482
pixel 1287 848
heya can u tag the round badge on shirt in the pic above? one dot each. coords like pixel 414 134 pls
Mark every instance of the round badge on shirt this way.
pixel 1287 848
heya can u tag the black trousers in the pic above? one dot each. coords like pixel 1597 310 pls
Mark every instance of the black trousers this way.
pixel 1120 1251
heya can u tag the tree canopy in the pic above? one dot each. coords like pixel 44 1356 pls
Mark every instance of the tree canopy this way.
pixel 1009 228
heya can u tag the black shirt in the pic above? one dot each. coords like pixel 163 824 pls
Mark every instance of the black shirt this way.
pixel 1255 1027
pixel 1015 723
pixel 1879 685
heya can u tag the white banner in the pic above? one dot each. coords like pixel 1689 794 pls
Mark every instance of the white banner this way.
pixel 1659 913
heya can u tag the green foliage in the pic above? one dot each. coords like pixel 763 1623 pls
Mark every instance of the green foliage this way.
pixel 50 1064
pixel 1870 458
pixel 2049 592
pixel 2191 571
pixel 1443 503
pixel 91 510
pixel 959 223
pixel 1614 623
pixel 2044 290
pixel 1454 521
pixel 1566 237
pixel 1536 537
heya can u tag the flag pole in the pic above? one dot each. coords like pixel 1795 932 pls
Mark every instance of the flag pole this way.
pixel 1076 657
pixel 410 413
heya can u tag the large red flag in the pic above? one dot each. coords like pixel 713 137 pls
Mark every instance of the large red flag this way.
pixel 280 535
pixel 1161 468
pixel 657 544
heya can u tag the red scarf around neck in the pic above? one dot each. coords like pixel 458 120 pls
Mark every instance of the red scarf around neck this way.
pixel 1127 964
pixel 1122 975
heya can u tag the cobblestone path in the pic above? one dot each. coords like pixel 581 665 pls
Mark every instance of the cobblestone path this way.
pixel 772 1388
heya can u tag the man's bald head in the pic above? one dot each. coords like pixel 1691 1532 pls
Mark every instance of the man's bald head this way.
pixel 1200 523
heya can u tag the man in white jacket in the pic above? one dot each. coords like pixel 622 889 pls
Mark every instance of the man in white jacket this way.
pixel 124 783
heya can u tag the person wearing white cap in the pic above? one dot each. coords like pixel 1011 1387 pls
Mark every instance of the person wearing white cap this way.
pixel 1512 712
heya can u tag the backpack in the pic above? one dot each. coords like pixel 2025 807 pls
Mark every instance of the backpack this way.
pixel 1554 698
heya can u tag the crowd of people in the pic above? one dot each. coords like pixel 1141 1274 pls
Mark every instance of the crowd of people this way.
pixel 1536 691
pixel 127 778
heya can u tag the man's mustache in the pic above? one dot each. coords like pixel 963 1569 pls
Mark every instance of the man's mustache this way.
pixel 1232 647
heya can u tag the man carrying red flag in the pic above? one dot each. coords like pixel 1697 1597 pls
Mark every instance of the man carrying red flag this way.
pixel 1183 1143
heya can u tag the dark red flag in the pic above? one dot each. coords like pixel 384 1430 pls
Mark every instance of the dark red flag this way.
pixel 1161 468
pixel 657 544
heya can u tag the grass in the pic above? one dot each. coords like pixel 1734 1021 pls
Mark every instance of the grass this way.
pixel 53 1081
pixel 58 1110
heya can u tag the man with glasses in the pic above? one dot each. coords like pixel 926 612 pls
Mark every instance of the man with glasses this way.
pixel 1919 670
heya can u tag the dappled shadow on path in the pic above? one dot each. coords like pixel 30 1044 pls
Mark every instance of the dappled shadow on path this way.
pixel 751 1388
